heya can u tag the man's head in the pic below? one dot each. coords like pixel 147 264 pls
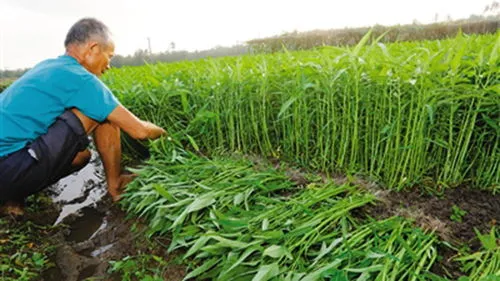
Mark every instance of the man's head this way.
pixel 89 41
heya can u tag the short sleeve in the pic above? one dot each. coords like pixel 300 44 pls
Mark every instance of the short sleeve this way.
pixel 94 99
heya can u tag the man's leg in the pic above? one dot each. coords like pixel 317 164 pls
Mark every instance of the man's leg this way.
pixel 108 143
pixel 54 158
pixel 81 160
pixel 107 140
pixel 14 206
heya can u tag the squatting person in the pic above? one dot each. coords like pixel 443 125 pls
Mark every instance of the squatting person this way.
pixel 47 115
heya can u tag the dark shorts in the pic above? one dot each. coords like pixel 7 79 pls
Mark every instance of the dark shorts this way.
pixel 22 175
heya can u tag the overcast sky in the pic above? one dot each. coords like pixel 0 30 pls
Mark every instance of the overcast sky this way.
pixel 33 30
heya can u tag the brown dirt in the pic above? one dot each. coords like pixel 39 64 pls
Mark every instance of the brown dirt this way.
pixel 82 258
pixel 434 212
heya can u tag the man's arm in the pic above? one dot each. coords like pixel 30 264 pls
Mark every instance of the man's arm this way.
pixel 132 125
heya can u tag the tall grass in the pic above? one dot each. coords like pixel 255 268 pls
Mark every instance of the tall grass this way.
pixel 401 113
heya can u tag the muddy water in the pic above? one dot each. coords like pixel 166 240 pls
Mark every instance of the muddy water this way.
pixel 97 231
pixel 80 190
pixel 86 225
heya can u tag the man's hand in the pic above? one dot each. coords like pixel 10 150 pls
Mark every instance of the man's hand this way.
pixel 154 131
pixel 135 127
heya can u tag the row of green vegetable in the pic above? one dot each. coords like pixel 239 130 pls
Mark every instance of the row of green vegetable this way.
pixel 236 221
pixel 403 114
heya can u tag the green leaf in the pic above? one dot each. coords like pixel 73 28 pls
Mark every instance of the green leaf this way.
pixel 238 198
pixel 365 276
pixel 372 268
pixel 193 142
pixel 293 276
pixel 277 252
pixel 199 203
pixel 362 43
pixel 233 223
pixel 266 272
pixel 494 124
pixel 163 192
pixel 200 242
pixel 286 105
pixel 265 224
pixel 184 100
pixel 313 276
pixel 202 269
pixel 494 53
pixel 458 52
pixel 326 250
pixel 242 258
pixel 430 112
pixel 488 241
pixel 269 235
pixel 373 255
pixel 224 242
pixel 491 277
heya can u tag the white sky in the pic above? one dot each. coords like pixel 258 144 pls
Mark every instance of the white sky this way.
pixel 33 30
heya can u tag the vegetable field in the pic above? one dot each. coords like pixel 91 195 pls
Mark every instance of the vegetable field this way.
pixel 401 114
pixel 422 115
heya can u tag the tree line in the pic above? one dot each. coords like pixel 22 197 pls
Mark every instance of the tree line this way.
pixel 141 56
pixel 478 24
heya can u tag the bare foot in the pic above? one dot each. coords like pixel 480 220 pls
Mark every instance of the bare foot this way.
pixel 14 209
pixel 124 180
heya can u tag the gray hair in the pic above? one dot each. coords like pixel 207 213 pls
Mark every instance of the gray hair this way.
pixel 85 29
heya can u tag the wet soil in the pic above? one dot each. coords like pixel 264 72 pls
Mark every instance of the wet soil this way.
pixel 95 230
pixel 454 216
pixel 99 235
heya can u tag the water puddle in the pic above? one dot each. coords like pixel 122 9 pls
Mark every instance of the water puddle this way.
pixel 86 225
pixel 87 272
pixel 96 230
pixel 101 250
pixel 80 198
pixel 81 189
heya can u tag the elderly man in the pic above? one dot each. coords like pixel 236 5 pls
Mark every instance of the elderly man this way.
pixel 48 113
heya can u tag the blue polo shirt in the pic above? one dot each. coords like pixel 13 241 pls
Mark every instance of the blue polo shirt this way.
pixel 33 102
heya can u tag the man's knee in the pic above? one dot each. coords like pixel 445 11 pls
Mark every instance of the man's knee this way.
pixel 81 159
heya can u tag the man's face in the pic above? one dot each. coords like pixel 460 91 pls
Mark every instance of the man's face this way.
pixel 98 57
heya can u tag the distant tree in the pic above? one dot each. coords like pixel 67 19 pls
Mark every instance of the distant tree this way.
pixel 12 74
pixel 493 8
pixel 141 57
